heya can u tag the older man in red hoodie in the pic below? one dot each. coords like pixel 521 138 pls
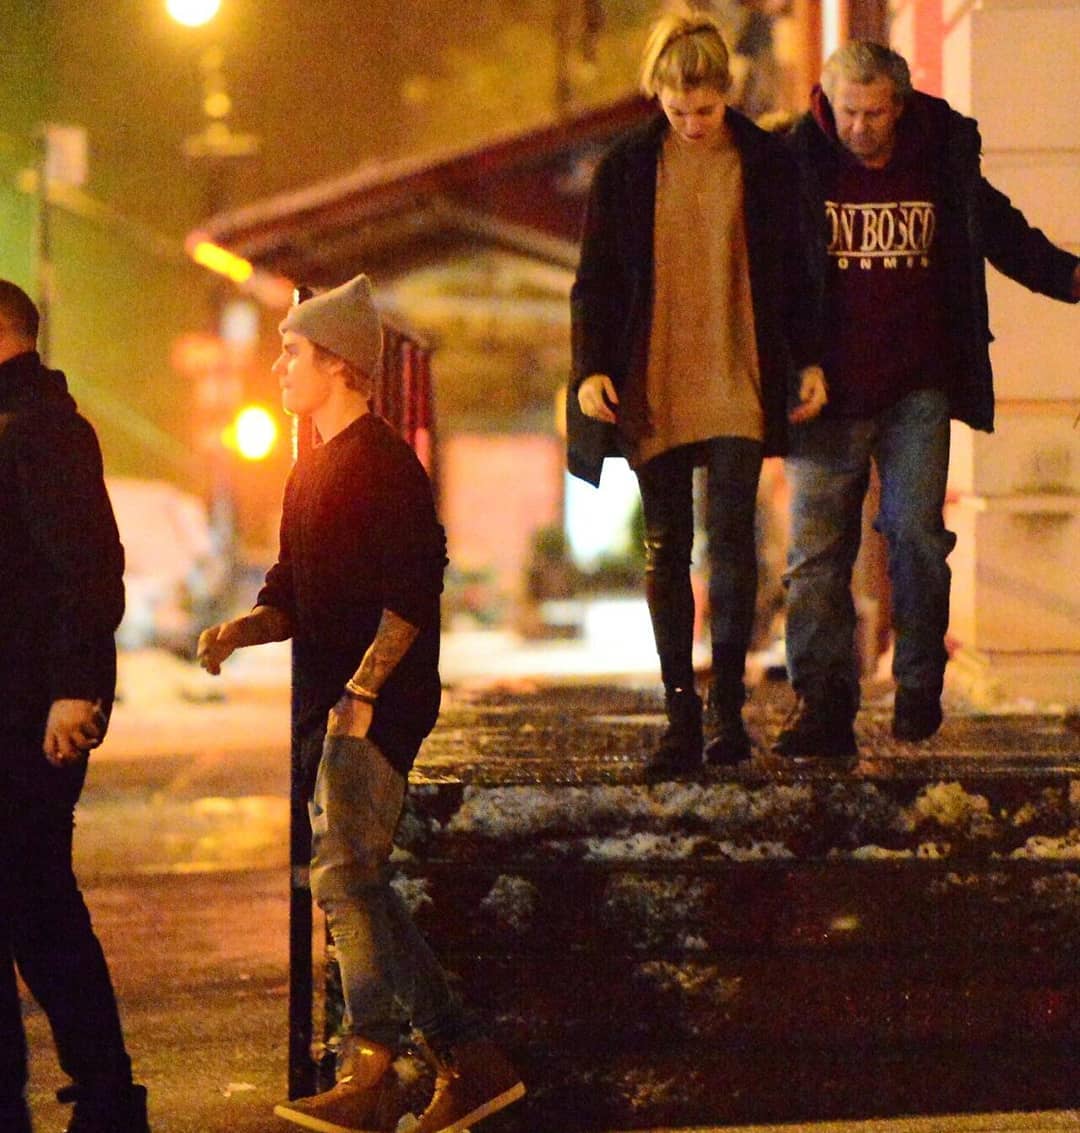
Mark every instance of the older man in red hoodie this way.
pixel 900 223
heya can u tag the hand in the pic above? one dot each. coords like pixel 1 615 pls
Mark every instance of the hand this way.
pixel 813 395
pixel 350 717
pixel 596 395
pixel 72 728
pixel 216 645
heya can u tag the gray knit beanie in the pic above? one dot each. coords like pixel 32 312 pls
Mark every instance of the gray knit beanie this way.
pixel 344 321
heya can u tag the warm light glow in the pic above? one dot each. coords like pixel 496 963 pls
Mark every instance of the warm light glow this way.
pixel 192 13
pixel 222 261
pixel 254 433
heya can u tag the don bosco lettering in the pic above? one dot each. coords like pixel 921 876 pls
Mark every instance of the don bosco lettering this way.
pixel 889 234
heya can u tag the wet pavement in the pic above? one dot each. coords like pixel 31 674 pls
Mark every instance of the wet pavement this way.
pixel 602 731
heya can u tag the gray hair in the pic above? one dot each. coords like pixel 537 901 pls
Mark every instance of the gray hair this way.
pixel 863 61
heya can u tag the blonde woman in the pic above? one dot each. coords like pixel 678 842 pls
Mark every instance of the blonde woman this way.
pixel 691 342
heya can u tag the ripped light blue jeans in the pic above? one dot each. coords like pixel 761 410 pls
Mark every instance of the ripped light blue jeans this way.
pixel 390 978
pixel 829 471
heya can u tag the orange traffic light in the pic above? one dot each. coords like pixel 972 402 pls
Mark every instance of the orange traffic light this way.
pixel 252 433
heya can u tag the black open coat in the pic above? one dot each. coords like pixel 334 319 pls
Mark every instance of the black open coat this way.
pixel 611 300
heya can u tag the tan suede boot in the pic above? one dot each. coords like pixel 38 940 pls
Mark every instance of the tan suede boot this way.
pixel 366 1098
pixel 477 1081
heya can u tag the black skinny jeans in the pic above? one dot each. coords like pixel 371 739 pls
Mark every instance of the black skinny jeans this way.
pixel 45 928
pixel 732 470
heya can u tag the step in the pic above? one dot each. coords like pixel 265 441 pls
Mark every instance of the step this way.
pixel 777 943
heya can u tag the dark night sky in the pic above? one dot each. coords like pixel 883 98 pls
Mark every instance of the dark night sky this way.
pixel 321 83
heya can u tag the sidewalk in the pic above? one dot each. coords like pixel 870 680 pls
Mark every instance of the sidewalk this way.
pixel 1045 1122
pixel 182 840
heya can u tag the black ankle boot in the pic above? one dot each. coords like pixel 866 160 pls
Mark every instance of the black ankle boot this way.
pixel 727 740
pixel 679 752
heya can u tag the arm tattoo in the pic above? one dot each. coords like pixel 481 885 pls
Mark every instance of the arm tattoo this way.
pixel 392 641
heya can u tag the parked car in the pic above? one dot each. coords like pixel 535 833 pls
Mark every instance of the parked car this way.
pixel 175 575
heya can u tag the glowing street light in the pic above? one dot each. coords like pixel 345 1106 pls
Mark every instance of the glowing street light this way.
pixel 192 13
pixel 253 433
pixel 220 260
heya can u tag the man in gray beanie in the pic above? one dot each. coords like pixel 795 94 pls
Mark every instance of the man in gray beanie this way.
pixel 343 321
pixel 356 586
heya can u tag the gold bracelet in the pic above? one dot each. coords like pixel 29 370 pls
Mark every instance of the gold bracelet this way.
pixel 358 692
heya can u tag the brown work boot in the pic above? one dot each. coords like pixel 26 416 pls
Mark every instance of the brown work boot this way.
pixel 821 723
pixel 475 1082
pixel 366 1099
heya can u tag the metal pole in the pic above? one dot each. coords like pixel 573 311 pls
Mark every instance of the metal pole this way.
pixel 43 247
pixel 302 1067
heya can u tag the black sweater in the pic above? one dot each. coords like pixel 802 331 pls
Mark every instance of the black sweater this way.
pixel 61 562
pixel 359 535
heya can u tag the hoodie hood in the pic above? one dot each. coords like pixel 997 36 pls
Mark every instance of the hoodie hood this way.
pixel 25 382
pixel 924 118
pixel 822 114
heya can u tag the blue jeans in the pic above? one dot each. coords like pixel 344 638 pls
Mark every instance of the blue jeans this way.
pixel 732 470
pixel 829 471
pixel 389 975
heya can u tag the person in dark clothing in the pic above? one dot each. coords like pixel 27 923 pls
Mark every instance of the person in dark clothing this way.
pixel 691 341
pixel 61 574
pixel 356 586
pixel 900 222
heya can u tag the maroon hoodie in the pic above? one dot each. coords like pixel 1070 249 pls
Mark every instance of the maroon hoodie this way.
pixel 885 316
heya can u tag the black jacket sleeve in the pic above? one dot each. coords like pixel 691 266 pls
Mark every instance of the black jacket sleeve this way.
pixel 71 525
pixel 599 296
pixel 802 301
pixel 1020 251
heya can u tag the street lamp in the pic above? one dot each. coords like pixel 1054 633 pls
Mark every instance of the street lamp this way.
pixel 192 13
pixel 216 146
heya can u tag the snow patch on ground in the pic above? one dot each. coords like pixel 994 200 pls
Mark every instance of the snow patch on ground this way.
pixel 1041 847
pixel 950 807
pixel 925 851
pixel 658 905
pixel 692 980
pixel 872 853
pixel 414 891
pixel 655 847
pixel 513 902
pixel 526 811
pixel 1060 891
